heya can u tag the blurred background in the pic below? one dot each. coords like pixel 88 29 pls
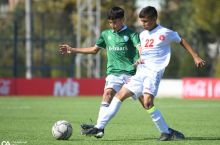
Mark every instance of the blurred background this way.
pixel 32 30
pixel 35 78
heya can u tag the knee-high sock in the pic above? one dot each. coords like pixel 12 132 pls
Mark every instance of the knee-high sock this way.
pixel 109 114
pixel 103 108
pixel 158 120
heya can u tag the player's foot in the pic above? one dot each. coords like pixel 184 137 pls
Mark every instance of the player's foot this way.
pixel 173 135
pixel 98 133
pixel 164 137
pixel 85 127
pixel 176 135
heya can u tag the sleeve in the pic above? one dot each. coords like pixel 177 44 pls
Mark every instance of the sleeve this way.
pixel 101 41
pixel 175 37
pixel 135 39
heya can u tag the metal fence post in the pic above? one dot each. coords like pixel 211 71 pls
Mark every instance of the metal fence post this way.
pixel 15 40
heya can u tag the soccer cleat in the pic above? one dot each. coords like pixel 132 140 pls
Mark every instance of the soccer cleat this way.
pixel 176 135
pixel 164 137
pixel 85 127
pixel 98 133
pixel 173 135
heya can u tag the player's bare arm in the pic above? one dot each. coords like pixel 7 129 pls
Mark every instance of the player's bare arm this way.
pixel 139 61
pixel 65 48
pixel 197 59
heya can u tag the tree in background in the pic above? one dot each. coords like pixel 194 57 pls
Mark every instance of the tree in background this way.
pixel 207 14
pixel 56 18
pixel 178 15
pixel 128 6
pixel 54 22
pixel 70 6
pixel 51 25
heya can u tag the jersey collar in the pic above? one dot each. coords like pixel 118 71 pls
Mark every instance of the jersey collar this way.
pixel 122 29
pixel 155 28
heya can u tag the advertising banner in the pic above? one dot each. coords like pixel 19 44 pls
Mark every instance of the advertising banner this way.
pixel 51 87
pixel 204 88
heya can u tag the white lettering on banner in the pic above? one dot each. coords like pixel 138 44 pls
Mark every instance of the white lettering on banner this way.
pixel 217 89
pixel 196 89
pixel 68 88
pixel 210 89
pixel 4 87
pixel 204 88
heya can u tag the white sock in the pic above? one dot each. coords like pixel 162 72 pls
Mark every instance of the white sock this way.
pixel 109 114
pixel 103 108
pixel 158 120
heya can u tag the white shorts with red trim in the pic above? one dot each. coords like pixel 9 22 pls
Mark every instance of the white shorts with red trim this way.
pixel 145 81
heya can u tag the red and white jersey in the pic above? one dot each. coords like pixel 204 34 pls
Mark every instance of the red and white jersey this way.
pixel 155 46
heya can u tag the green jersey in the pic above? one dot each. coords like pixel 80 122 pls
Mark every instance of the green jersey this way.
pixel 121 50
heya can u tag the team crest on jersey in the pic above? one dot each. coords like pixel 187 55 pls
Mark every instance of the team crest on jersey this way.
pixel 162 37
pixel 126 38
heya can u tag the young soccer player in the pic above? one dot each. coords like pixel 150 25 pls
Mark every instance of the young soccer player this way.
pixel 155 53
pixel 121 44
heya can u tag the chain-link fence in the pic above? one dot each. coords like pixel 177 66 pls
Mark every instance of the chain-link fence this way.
pixel 48 30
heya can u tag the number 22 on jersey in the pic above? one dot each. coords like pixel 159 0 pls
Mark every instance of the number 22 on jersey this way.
pixel 149 43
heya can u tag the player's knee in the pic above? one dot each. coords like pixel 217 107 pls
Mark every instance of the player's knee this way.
pixel 108 95
pixel 123 94
pixel 148 105
pixel 148 101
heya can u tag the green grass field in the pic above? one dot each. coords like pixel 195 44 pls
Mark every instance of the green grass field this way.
pixel 28 121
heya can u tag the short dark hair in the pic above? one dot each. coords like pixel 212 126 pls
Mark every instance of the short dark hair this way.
pixel 148 11
pixel 115 13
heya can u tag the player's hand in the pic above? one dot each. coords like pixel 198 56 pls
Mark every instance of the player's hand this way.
pixel 139 61
pixel 64 48
pixel 199 62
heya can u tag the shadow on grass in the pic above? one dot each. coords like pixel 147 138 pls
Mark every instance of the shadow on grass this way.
pixel 116 140
pixel 130 139
pixel 149 139
pixel 202 138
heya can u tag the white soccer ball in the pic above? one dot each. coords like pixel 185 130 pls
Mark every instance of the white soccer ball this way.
pixel 62 130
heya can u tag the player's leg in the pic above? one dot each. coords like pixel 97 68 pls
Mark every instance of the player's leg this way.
pixel 166 132
pixel 113 84
pixel 151 85
pixel 98 130
pixel 106 100
pixel 107 97
pixel 155 113
pixel 141 100
pixel 123 94
pixel 132 88
pixel 156 116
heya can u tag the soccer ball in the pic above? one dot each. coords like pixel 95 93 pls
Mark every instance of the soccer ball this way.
pixel 62 130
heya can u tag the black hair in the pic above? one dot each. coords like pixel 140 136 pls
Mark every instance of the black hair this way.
pixel 115 13
pixel 148 11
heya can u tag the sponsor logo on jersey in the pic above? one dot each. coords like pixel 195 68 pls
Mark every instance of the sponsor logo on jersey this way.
pixel 126 38
pixel 162 37
pixel 118 48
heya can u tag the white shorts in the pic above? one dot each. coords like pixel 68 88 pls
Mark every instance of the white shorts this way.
pixel 146 81
pixel 116 82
